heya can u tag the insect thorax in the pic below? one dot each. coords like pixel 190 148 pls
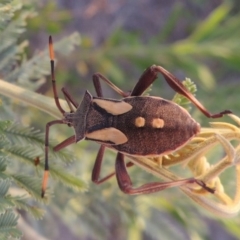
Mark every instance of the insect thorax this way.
pixel 78 119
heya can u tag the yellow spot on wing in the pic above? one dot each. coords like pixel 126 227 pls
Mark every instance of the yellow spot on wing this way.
pixel 157 123
pixel 108 134
pixel 114 108
pixel 140 122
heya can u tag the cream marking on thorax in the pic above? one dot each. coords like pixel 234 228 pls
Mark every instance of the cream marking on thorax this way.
pixel 114 108
pixel 140 122
pixel 108 134
pixel 157 123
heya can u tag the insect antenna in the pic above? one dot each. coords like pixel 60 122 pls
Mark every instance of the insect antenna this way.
pixel 51 54
pixel 49 124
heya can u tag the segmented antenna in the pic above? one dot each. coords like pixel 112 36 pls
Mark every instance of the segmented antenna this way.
pixel 51 54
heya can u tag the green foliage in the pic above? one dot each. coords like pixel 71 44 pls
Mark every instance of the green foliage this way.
pixel 63 16
pixel 8 219
pixel 19 145
pixel 8 222
pixel 213 42
pixel 182 101
pixel 104 212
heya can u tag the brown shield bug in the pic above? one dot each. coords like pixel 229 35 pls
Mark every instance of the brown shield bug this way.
pixel 135 125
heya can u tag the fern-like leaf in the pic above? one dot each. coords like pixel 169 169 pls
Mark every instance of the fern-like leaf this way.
pixel 10 51
pixel 68 179
pixel 21 203
pixel 8 222
pixel 3 164
pixel 31 185
pixel 7 10
pixel 38 66
pixel 27 155
pixel 26 136
pixel 5 203
pixel 180 99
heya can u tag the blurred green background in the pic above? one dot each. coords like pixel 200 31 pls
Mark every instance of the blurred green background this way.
pixel 195 39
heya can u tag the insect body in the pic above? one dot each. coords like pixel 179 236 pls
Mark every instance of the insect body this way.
pixel 143 126
pixel 136 125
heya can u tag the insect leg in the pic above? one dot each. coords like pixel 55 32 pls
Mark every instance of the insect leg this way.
pixel 69 98
pixel 97 85
pixel 98 162
pixel 125 183
pixel 177 86
pixel 65 143
pixel 147 78
pixel 46 166
pixel 97 168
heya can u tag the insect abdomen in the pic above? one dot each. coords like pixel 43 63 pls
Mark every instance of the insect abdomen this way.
pixel 154 126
